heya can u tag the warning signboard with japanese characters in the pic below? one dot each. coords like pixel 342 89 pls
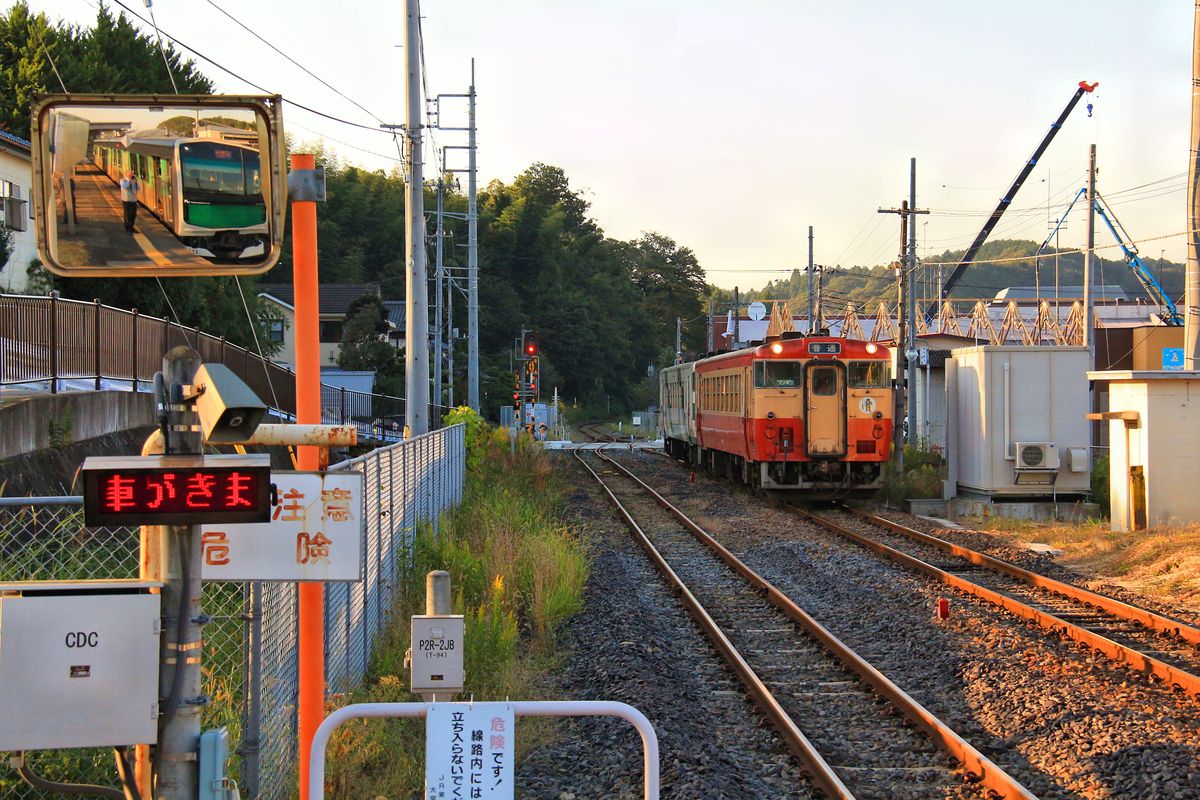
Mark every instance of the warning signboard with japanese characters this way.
pixel 469 751
pixel 315 533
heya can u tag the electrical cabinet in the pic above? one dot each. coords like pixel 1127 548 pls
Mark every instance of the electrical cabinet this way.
pixel 437 654
pixel 78 664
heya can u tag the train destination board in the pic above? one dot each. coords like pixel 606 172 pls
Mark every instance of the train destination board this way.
pixel 175 490
pixel 824 348
pixel 158 186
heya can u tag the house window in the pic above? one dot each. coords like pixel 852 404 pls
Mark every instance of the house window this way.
pixel 275 334
pixel 331 331
pixel 13 214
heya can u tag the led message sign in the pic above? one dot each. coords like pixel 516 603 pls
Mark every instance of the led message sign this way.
pixel 176 490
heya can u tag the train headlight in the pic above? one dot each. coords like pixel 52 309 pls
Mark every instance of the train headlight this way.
pixel 776 348
pixel 872 348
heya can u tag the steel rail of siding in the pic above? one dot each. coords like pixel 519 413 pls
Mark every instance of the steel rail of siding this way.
pixel 991 776
pixel 818 769
pixel 1119 653
pixel 1149 619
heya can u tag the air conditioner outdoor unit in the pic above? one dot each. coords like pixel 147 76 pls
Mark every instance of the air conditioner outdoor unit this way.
pixel 1037 456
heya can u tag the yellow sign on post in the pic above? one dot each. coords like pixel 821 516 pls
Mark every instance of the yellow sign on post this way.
pixel 158 185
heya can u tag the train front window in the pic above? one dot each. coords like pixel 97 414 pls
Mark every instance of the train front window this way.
pixel 221 170
pixel 869 375
pixel 778 375
pixel 824 381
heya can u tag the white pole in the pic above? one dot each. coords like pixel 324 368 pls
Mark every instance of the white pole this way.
pixel 1191 300
pixel 1089 262
pixel 472 257
pixel 438 280
pixel 416 340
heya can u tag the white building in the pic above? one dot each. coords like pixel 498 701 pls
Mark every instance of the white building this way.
pixel 16 210
pixel 335 300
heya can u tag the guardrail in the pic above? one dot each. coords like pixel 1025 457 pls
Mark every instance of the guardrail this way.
pixel 52 341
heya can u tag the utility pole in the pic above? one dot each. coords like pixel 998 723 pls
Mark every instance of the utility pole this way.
pixel 678 340
pixel 819 309
pixel 472 218
pixel 179 673
pixel 905 312
pixel 450 337
pixel 1089 261
pixel 472 256
pixel 911 269
pixel 737 304
pixel 1191 298
pixel 416 301
pixel 811 299
pixel 712 338
pixel 439 279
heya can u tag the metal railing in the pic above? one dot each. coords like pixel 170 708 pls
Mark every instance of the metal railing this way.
pixel 250 647
pixel 54 342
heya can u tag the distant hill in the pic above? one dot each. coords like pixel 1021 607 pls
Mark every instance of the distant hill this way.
pixel 867 285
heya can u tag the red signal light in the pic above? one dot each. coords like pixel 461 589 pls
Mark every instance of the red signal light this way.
pixel 531 349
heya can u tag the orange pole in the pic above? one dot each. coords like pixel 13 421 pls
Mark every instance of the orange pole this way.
pixel 311 697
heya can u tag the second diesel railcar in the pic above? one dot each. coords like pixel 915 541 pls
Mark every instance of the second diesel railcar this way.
pixel 799 413
pixel 208 192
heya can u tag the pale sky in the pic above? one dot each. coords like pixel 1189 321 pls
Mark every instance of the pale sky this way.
pixel 733 126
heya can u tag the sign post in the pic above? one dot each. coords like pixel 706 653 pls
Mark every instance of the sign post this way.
pixel 311 624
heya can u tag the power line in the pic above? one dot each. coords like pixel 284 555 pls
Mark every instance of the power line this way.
pixel 247 81
pixel 312 74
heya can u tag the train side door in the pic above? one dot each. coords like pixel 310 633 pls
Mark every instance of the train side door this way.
pixel 825 401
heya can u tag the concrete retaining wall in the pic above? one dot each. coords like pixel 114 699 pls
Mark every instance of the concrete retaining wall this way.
pixel 39 421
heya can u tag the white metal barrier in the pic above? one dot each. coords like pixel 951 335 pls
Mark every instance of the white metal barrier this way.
pixel 527 708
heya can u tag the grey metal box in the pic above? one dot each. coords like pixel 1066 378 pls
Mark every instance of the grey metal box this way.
pixel 78 664
pixel 437 654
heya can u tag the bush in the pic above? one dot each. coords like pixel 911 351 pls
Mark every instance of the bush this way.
pixel 476 433
pixel 923 475
pixel 517 574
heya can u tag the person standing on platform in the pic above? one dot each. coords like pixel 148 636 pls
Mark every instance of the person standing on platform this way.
pixel 129 193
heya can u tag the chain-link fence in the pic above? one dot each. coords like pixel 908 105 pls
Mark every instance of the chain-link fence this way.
pixel 250 660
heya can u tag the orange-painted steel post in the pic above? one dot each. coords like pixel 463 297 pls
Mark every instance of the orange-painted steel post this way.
pixel 311 627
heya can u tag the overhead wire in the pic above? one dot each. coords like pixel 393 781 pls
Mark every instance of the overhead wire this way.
pixel 296 63
pixel 249 82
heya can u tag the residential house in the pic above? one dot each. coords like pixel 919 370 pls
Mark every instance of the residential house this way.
pixel 16 210
pixel 334 301
pixel 395 314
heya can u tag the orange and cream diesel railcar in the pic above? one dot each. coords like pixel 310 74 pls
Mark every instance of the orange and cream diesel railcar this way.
pixel 806 413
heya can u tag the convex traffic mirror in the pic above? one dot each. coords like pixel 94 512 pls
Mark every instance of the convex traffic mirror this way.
pixel 158 185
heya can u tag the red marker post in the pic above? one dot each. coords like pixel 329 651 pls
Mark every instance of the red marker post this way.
pixel 311 696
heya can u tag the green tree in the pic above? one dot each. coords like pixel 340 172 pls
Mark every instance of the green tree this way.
pixel 7 245
pixel 364 346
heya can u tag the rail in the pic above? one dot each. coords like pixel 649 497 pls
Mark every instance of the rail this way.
pixel 56 343
pixel 990 775
pixel 1129 657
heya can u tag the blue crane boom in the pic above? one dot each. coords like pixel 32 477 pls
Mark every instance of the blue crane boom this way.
pixel 1167 310
pixel 1154 290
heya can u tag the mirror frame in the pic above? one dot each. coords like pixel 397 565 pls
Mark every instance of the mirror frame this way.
pixel 269 107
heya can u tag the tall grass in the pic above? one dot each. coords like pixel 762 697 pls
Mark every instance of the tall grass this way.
pixel 518 573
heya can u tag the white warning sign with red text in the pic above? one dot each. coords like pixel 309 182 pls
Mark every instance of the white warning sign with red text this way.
pixel 315 533
pixel 469 751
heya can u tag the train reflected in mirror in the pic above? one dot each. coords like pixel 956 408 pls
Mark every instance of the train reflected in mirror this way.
pixel 182 189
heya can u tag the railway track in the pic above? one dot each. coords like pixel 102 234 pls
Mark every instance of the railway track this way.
pixel 863 736
pixel 1144 641
pixel 595 431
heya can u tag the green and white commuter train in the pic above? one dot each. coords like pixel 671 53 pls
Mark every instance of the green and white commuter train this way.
pixel 207 192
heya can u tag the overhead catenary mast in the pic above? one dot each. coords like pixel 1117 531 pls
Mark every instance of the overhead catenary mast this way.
pixel 1191 300
pixel 416 298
